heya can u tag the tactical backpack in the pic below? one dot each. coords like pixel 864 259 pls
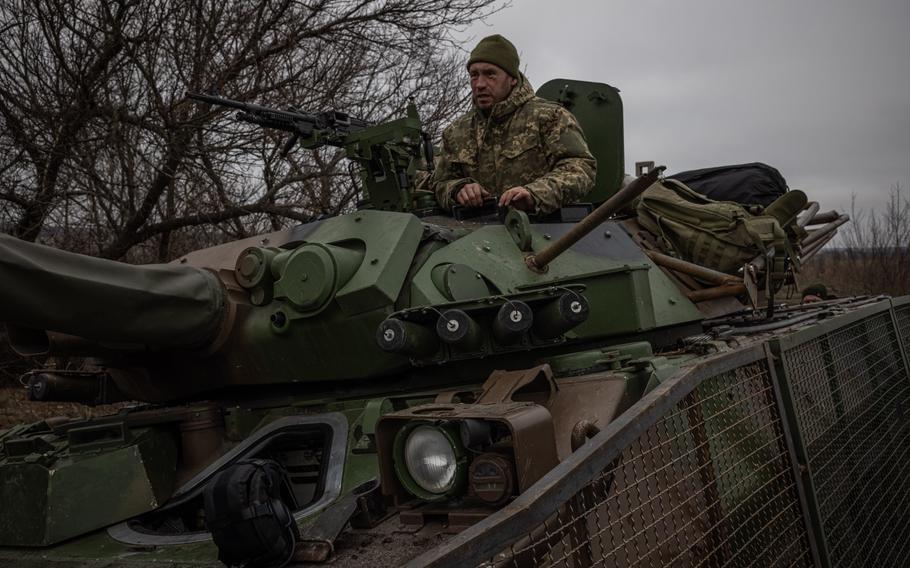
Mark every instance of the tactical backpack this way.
pixel 247 514
pixel 717 234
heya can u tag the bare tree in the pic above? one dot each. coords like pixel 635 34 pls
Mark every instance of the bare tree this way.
pixel 102 152
pixel 874 252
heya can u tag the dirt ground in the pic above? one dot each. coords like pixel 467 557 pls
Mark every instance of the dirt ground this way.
pixel 16 409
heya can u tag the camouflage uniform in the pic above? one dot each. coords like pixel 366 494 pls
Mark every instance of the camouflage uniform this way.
pixel 524 141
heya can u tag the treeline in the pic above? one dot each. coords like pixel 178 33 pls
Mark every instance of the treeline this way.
pixel 872 253
pixel 102 153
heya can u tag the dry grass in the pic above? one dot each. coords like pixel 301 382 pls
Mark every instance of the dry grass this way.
pixel 846 273
pixel 873 256
pixel 15 408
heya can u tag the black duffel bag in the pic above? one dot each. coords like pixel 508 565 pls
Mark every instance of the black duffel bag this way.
pixel 747 184
pixel 247 512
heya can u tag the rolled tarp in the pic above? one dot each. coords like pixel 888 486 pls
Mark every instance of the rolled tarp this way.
pixel 154 305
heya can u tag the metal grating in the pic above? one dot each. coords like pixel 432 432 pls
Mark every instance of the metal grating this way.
pixel 903 325
pixel 851 395
pixel 708 484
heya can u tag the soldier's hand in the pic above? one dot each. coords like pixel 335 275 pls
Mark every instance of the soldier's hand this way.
pixel 517 197
pixel 471 195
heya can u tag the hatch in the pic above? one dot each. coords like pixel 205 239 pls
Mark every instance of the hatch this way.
pixel 598 108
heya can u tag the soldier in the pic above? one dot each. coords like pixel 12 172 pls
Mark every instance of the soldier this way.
pixel 816 293
pixel 528 151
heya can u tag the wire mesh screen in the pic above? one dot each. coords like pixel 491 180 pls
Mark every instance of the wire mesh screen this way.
pixel 851 396
pixel 708 484
pixel 903 326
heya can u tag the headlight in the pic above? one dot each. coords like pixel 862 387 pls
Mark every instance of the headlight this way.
pixel 434 462
pixel 430 459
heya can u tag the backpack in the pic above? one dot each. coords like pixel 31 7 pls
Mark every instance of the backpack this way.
pixel 748 184
pixel 250 523
pixel 717 234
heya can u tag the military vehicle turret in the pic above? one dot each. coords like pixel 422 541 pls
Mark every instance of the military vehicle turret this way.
pixel 417 375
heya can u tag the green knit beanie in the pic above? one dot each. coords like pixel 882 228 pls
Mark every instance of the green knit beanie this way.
pixel 819 290
pixel 499 51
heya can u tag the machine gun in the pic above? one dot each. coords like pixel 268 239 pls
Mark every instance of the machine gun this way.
pixel 389 153
pixel 323 128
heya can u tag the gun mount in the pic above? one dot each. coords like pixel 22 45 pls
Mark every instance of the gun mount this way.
pixel 388 154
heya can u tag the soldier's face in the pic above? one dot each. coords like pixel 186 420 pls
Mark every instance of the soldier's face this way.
pixel 489 84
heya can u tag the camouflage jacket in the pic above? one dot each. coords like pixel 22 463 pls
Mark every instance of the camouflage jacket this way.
pixel 524 140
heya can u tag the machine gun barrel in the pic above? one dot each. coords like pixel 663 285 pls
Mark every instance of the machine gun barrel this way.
pixel 221 101
pixel 295 122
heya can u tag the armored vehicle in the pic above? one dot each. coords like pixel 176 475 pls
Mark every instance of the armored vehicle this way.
pixel 621 383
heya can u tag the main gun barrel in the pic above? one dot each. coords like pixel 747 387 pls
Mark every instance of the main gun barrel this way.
pixel 538 262
pixel 159 306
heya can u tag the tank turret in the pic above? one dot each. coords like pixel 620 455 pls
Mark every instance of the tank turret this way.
pixel 424 299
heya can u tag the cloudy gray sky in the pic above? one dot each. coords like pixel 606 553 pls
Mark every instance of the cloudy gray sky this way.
pixel 819 89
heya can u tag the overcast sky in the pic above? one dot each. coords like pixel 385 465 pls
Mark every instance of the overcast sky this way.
pixel 819 89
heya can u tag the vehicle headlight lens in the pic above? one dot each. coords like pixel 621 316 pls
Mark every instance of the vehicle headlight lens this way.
pixel 430 459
